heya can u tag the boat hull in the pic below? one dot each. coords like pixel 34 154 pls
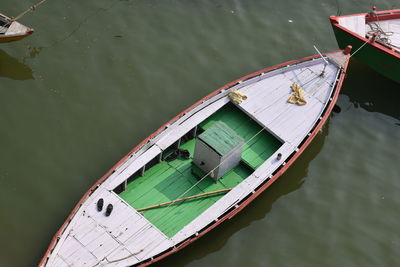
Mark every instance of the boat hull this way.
pixel 8 39
pixel 245 201
pixel 382 59
pixel 21 32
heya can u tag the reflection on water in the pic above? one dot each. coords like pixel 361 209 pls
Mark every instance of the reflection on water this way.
pixel 370 90
pixel 213 241
pixel 12 68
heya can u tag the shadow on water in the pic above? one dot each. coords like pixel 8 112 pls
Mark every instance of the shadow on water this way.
pixel 291 181
pixel 12 68
pixel 370 90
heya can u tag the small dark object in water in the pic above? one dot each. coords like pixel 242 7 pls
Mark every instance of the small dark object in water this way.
pixel 109 209
pixel 100 203
pixel 118 36
pixel 336 109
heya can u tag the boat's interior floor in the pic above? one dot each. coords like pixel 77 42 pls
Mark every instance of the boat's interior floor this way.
pixel 167 181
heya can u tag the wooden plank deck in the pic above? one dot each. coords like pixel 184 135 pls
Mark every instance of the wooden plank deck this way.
pixel 93 236
pixel 281 118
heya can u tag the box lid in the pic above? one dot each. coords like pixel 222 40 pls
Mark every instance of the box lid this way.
pixel 221 138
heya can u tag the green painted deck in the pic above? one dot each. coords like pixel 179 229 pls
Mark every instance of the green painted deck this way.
pixel 167 181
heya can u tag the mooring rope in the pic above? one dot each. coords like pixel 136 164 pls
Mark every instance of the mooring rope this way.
pixel 376 34
pixel 355 52
pixel 380 34
pixel 32 8
pixel 378 37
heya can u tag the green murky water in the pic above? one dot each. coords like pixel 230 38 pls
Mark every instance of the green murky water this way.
pixel 97 77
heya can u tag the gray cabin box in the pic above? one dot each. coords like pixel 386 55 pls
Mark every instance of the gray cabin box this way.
pixel 218 147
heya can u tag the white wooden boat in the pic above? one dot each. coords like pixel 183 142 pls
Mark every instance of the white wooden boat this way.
pixel 11 30
pixel 255 140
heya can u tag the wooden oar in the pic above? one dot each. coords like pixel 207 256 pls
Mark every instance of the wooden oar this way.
pixel 186 198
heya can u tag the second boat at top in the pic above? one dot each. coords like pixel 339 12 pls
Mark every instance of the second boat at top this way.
pixel 375 38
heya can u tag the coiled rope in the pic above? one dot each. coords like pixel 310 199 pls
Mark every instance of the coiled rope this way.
pixel 380 34
pixel 377 34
